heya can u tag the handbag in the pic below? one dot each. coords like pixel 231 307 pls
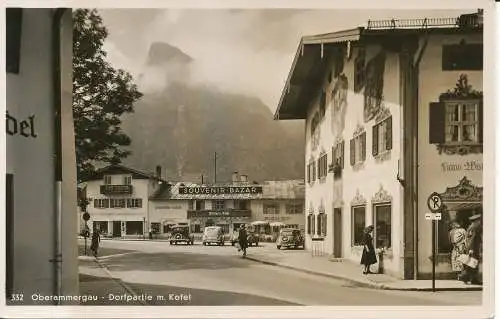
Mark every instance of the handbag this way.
pixel 468 260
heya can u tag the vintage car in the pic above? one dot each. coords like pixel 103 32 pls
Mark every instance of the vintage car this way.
pixel 181 234
pixel 290 238
pixel 252 238
pixel 213 235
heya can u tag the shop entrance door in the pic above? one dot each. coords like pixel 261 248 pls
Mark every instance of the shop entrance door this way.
pixel 337 232
pixel 117 229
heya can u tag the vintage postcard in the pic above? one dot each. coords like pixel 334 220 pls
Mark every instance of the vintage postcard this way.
pixel 221 159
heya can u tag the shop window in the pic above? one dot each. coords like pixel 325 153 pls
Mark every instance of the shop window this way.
pixel 134 202
pixel 167 228
pixel 107 179
pixel 456 122
pixel 462 57
pixel 294 209
pixel 101 203
pixel 383 226
pixel 358 149
pixel 321 224
pixel 155 228
pixel 218 205
pixel 13 24
pixel 271 209
pixel 358 225
pixel 323 166
pixel 127 180
pixel 134 228
pixel 461 217
pixel 382 136
pixel 101 226
pixel 241 204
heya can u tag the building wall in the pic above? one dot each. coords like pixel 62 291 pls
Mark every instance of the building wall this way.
pixel 174 211
pixel 30 161
pixel 342 119
pixel 431 175
pixel 282 215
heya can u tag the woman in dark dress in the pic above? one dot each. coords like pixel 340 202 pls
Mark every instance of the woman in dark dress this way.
pixel 369 257
pixel 243 240
pixel 94 246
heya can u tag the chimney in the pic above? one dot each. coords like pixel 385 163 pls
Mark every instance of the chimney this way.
pixel 235 178
pixel 158 171
pixel 244 178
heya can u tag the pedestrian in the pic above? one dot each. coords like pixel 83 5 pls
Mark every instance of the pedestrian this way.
pixel 368 257
pixel 242 239
pixel 474 243
pixel 96 239
pixel 457 236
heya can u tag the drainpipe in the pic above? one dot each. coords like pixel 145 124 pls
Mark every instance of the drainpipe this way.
pixel 56 80
pixel 415 76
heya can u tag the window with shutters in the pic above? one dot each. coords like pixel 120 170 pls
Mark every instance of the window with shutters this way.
pixel 321 224
pixel 456 121
pixel 101 203
pixel 310 224
pixel 358 149
pixel 359 70
pixel 358 224
pixel 311 171
pixel 323 166
pixel 134 202
pixel 117 203
pixel 338 159
pixel 382 137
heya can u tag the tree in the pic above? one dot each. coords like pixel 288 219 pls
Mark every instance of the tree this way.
pixel 101 94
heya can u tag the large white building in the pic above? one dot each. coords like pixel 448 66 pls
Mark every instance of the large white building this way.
pixel 124 202
pixel 393 113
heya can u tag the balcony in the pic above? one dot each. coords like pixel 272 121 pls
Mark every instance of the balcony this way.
pixel 229 212
pixel 116 189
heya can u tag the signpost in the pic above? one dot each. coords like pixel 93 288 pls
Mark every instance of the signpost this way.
pixel 435 204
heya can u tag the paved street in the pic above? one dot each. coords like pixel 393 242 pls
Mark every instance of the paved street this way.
pixel 219 276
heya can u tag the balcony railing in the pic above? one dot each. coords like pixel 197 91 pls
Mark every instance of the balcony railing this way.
pixel 116 189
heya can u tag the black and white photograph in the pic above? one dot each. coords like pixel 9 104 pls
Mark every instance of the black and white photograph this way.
pixel 277 159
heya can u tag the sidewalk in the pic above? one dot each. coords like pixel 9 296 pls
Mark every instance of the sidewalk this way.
pixel 347 270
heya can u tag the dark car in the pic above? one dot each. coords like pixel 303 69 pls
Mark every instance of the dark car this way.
pixel 181 234
pixel 290 238
pixel 252 239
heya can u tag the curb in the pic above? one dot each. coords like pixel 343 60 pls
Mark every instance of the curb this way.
pixel 357 282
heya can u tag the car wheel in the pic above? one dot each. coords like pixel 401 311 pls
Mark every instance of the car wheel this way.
pixel 232 244
pixel 171 242
pixel 278 246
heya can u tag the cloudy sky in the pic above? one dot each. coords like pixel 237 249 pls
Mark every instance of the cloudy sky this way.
pixel 242 51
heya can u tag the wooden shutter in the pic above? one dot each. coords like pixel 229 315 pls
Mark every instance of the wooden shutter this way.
pixel 14 21
pixel 308 173
pixel 480 124
pixel 375 140
pixel 342 154
pixel 437 122
pixel 352 153
pixel 363 146
pixel 314 170
pixel 388 134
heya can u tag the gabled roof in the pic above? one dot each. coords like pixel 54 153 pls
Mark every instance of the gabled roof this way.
pixel 116 169
pixel 309 63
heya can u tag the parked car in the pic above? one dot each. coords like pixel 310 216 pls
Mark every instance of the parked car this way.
pixel 181 234
pixel 252 239
pixel 290 238
pixel 213 235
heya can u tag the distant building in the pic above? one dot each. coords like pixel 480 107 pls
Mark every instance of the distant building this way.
pixel 394 112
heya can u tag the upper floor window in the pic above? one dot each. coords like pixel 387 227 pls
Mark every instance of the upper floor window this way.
pixel 462 57
pixel 13 24
pixel 311 171
pixel 358 149
pixel 200 205
pixel 338 158
pixel 191 205
pixel 107 179
pixel 359 70
pixel 134 202
pixel 382 136
pixel 101 203
pixel 271 209
pixel 323 166
pixel 322 104
pixel 241 204
pixel 117 202
pixel 127 180
pixel 294 209
pixel 218 204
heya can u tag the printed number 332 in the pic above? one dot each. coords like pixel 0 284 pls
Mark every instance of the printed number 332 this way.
pixel 16 297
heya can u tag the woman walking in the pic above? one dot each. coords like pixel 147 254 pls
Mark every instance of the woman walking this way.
pixel 368 257
pixel 96 239
pixel 242 239
pixel 458 237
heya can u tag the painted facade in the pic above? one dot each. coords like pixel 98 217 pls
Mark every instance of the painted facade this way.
pixel 372 152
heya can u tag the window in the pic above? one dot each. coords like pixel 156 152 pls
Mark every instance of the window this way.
pixel 241 204
pixel 383 226
pixel 155 228
pixel 294 209
pixel 101 203
pixel 191 204
pixel 382 136
pixel 322 104
pixel 358 149
pixel 295 226
pixel 271 209
pixel 127 180
pixel 359 70
pixel 225 228
pixel 358 225
pixel 197 228
pixel 107 179
pixel 310 224
pixel 323 166
pixel 167 228
pixel 218 205
pixel 13 23
pixel 200 205
pixel 134 202
pixel 311 171
pixel 134 228
pixel 464 57
pixel 460 216
pixel 117 202
pixel 321 224
pixel 338 155
pixel 101 226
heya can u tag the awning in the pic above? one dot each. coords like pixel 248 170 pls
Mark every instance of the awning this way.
pixel 257 223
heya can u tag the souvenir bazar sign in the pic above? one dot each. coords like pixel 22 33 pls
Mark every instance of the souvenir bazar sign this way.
pixel 219 190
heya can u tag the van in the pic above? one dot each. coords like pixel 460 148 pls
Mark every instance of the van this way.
pixel 213 235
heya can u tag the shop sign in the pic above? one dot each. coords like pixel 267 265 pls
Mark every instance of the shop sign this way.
pixel 276 218
pixel 211 213
pixel 207 190
pixel 465 166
